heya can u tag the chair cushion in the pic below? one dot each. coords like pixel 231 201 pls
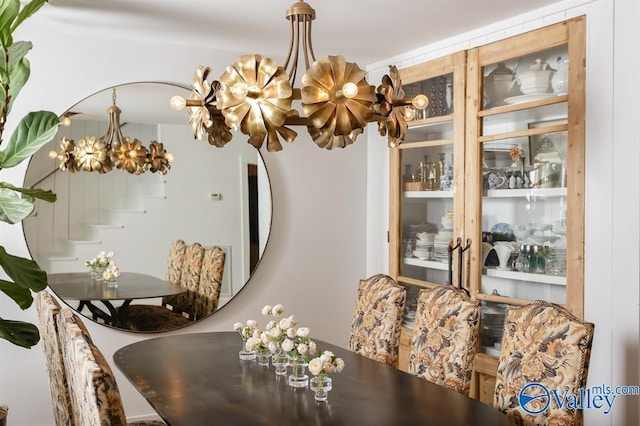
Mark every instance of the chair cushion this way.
pixel 150 318
pixel 445 337
pixel 375 327
pixel 208 294
pixel 542 343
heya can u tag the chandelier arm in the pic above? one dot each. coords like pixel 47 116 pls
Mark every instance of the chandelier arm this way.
pixel 308 39
pixel 286 64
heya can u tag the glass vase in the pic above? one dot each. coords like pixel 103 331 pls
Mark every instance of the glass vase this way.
pixel 280 362
pixel 321 387
pixel 263 355
pixel 298 377
pixel 245 354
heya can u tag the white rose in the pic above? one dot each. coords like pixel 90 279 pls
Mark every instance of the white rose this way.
pixel 277 310
pixel 315 366
pixel 252 323
pixel 274 332
pixel 265 337
pixel 287 345
pixel 237 326
pixel 291 332
pixel 285 323
pixel 256 334
pixel 312 347
pixel 266 310
pixel 303 331
pixel 110 254
pixel 339 365
pixel 293 320
pixel 273 346
pixel 328 367
pixel 270 325
pixel 303 348
pixel 328 354
pixel 101 254
pixel 252 343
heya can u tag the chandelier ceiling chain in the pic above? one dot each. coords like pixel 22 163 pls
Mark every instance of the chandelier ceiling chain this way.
pixel 112 150
pixel 255 95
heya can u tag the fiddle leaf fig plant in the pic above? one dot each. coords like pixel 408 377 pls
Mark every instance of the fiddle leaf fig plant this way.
pixel 34 130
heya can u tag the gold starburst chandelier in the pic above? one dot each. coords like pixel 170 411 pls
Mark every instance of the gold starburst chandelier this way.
pixel 255 95
pixel 112 150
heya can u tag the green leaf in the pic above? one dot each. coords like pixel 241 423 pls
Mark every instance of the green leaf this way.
pixel 19 333
pixel 8 12
pixel 34 130
pixel 22 296
pixel 31 8
pixel 24 272
pixel 18 76
pixel 48 195
pixel 13 208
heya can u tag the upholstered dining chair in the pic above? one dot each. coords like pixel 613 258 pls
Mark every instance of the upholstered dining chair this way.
pixel 189 279
pixel 445 337
pixel 47 308
pixel 542 343
pixel 95 398
pixel 208 292
pixel 377 317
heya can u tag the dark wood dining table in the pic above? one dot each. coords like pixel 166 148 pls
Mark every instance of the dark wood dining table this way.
pixel 130 286
pixel 197 379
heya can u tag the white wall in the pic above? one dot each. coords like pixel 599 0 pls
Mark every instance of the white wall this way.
pixel 612 247
pixel 316 253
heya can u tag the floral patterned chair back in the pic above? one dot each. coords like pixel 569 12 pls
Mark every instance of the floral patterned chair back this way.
pixel 95 397
pixel 48 307
pixel 189 279
pixel 375 327
pixel 208 294
pixel 175 261
pixel 445 337
pixel 542 343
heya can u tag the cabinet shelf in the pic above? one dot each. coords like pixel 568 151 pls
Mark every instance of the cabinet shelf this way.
pixel 442 266
pixel 428 194
pixel 523 106
pixel 525 276
pixel 523 193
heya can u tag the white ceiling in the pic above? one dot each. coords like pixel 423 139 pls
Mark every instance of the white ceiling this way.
pixel 364 31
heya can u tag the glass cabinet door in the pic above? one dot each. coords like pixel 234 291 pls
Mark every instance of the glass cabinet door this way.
pixel 526 163
pixel 427 177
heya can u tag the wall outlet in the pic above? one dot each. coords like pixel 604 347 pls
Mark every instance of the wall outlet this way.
pixel 215 197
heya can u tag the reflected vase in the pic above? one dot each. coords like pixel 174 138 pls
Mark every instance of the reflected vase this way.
pixel 298 377
pixel 245 354
pixel 320 387
pixel 96 273
pixel 280 361
pixel 111 283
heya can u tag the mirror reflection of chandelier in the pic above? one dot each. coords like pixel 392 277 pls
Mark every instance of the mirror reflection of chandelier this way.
pixel 112 150
pixel 255 95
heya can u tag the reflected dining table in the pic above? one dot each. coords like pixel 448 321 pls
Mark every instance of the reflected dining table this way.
pixel 197 379
pixel 131 286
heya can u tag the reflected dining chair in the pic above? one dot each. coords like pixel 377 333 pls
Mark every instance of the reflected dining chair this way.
pixel 208 293
pixel 542 343
pixel 47 308
pixel 189 279
pixel 95 398
pixel 445 337
pixel 377 317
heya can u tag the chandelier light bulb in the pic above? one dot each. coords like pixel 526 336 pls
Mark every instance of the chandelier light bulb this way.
pixel 178 102
pixel 420 101
pixel 66 121
pixel 350 90
pixel 170 157
pixel 53 155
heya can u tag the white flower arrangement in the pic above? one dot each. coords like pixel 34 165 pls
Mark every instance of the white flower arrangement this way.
pixel 101 261
pixel 326 363
pixel 246 331
pixel 112 272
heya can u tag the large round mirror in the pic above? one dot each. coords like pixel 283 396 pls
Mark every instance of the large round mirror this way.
pixel 217 197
